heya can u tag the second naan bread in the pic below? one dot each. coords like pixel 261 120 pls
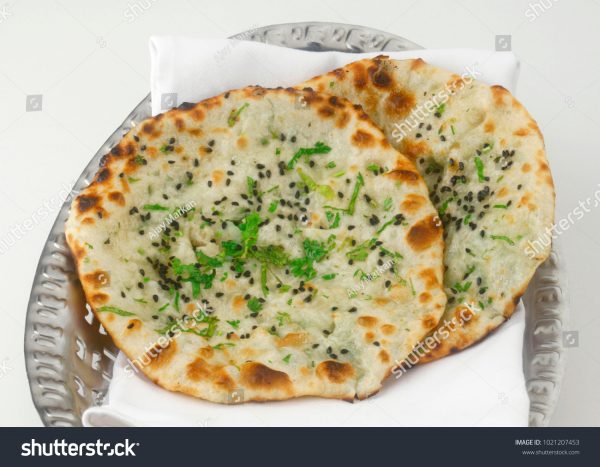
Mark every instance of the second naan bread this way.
pixel 483 159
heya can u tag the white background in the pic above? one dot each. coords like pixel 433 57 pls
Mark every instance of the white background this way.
pixel 90 62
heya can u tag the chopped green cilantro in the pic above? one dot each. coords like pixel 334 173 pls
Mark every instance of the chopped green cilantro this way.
pixel 249 229
pixel 458 287
pixel 361 252
pixel 388 204
pixel 155 207
pixel 325 190
pixel 235 114
pixel 352 204
pixel 480 170
pixel 314 251
pixel 319 148
pixel 373 168
pixel 263 279
pixel 222 345
pixel 336 218
pixel 115 310
pixel 197 277
pixel 208 331
pixel 271 254
pixel 251 183
pixel 254 305
pixel 206 260
pixel 444 206
pixel 503 238
pixel 282 317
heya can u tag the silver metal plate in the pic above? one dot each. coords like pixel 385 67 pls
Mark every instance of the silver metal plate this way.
pixel 69 356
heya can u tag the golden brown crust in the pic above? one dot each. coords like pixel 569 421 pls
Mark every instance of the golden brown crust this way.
pixel 424 233
pixel 335 372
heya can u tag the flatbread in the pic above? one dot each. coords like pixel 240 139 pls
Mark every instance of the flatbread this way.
pixel 301 247
pixel 482 156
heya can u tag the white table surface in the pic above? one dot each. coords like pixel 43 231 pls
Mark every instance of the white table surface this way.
pixel 89 60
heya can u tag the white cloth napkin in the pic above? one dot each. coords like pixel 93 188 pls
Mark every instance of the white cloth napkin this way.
pixel 481 386
pixel 194 68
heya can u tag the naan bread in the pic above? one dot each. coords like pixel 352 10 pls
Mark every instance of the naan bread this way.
pixel 483 159
pixel 256 214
